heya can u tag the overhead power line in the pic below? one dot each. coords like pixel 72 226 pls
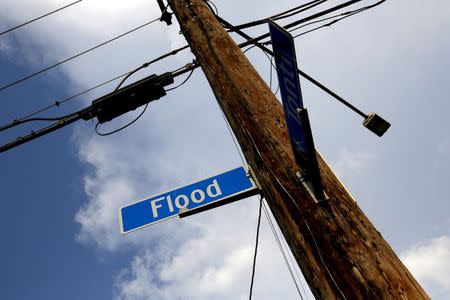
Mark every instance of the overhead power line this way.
pixel 256 249
pixel 250 41
pixel 91 111
pixel 304 20
pixel 126 75
pixel 337 18
pixel 183 82
pixel 123 127
pixel 28 118
pixel 282 15
pixel 308 77
pixel 285 255
pixel 340 17
pixel 372 121
pixel 8 85
pixel 38 18
pixel 188 66
pixel 57 103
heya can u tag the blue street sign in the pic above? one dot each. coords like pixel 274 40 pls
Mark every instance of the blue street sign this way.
pixel 223 187
pixel 296 115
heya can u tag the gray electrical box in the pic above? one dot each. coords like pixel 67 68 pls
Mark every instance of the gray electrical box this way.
pixel 376 124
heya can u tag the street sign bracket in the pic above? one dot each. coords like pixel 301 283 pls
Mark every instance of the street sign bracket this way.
pixel 189 212
pixel 307 184
pixel 253 192
pixel 252 177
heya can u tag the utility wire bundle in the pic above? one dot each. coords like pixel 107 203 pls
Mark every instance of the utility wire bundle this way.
pixel 109 106
pixel 259 42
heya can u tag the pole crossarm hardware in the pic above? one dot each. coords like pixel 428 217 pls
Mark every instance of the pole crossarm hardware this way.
pixel 339 251
pixel 165 15
pixel 109 106
pixel 129 98
pixel 372 121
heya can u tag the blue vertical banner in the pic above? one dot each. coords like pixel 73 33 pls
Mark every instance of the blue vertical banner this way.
pixel 296 115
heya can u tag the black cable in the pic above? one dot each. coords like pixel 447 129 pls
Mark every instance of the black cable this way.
pixel 342 17
pixel 254 41
pixel 184 81
pixel 285 257
pixel 256 148
pixel 306 19
pixel 188 66
pixel 27 118
pixel 38 18
pixel 123 127
pixel 306 76
pixel 15 123
pixel 312 80
pixel 282 15
pixel 317 28
pixel 8 85
pixel 318 21
pixel 70 118
pixel 256 248
pixel 146 105
pixel 145 65
pixel 216 11
pixel 301 7
pixel 41 132
pixel 19 122
pixel 128 76
pixel 272 66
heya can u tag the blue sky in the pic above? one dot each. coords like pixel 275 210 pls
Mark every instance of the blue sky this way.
pixel 61 193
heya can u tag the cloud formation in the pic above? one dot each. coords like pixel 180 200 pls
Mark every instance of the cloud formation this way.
pixel 351 162
pixel 429 262
pixel 214 265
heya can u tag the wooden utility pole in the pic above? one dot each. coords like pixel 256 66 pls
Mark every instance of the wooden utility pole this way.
pixel 339 251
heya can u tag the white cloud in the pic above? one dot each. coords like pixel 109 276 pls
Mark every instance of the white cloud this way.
pixel 203 267
pixel 215 265
pixel 141 280
pixel 351 162
pixel 429 262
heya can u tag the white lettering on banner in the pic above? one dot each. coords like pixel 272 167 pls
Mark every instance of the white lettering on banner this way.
pixel 214 185
pixel 169 202
pixel 182 201
pixel 200 196
pixel 156 206
pixel 185 200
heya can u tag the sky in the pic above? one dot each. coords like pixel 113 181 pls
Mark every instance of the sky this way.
pixel 61 193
